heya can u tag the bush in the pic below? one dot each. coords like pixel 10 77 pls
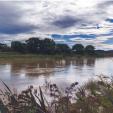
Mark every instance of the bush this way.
pixel 93 97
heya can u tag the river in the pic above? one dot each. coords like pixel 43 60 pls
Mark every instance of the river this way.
pixel 21 74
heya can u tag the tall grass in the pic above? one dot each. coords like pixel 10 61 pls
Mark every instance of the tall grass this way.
pixel 93 97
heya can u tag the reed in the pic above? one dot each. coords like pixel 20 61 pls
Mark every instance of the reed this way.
pixel 96 96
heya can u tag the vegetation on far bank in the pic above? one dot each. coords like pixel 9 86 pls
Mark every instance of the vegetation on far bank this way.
pixel 96 96
pixel 36 46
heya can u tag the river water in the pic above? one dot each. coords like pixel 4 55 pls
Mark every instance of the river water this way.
pixel 21 74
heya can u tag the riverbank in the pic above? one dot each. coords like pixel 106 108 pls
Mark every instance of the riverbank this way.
pixel 15 55
pixel 96 96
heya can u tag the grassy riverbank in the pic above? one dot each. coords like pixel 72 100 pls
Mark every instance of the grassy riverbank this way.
pixel 18 56
pixel 15 55
pixel 93 97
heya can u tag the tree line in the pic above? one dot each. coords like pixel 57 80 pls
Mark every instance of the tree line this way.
pixel 46 46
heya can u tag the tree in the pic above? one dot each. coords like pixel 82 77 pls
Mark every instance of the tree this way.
pixel 4 47
pixel 36 45
pixel 33 45
pixel 90 49
pixel 18 46
pixel 47 46
pixel 62 48
pixel 78 48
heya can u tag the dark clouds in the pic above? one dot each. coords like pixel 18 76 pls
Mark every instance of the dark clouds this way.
pixel 66 21
pixel 105 4
pixel 10 19
pixel 82 20
pixel 15 29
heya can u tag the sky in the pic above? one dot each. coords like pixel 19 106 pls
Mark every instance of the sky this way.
pixel 66 21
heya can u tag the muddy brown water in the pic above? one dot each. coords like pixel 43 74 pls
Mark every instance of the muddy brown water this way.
pixel 21 74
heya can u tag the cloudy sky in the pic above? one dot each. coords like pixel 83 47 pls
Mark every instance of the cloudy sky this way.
pixel 66 21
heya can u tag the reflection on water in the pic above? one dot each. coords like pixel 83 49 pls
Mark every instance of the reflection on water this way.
pixel 20 74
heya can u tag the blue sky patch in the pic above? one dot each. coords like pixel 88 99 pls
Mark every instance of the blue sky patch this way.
pixel 109 20
pixel 109 41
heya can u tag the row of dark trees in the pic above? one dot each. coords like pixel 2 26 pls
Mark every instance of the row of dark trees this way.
pixel 80 49
pixel 46 46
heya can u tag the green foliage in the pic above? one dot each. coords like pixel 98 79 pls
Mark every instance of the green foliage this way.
pixel 78 48
pixel 62 48
pixel 33 45
pixel 4 47
pixel 36 45
pixel 93 97
pixel 90 49
pixel 3 108
pixel 48 46
pixel 18 46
